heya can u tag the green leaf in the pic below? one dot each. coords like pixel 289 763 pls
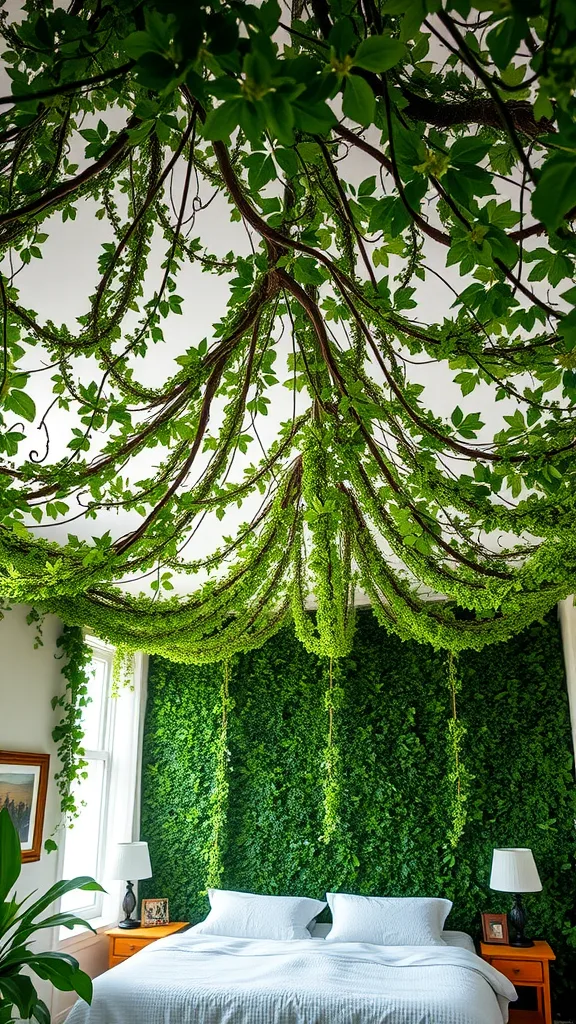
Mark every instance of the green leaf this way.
pixel 41 1013
pixel 58 890
pixel 503 41
pixel 61 970
pixel 358 103
pixel 139 43
pixel 222 121
pixel 10 856
pixel 21 404
pixel 379 53
pixel 20 991
pixel 288 161
pixel 279 117
pixel 555 193
pixel 154 71
pixel 469 150
pixel 261 170
pixel 342 37
pixel 316 118
pixel 543 107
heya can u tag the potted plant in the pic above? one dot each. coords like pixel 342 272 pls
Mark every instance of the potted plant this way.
pixel 17 929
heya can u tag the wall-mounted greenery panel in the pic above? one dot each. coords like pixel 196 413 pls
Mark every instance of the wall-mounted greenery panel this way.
pixel 394 784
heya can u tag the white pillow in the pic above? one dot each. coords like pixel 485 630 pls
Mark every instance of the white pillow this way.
pixel 244 915
pixel 387 921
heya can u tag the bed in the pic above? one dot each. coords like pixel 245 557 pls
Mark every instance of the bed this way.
pixel 208 979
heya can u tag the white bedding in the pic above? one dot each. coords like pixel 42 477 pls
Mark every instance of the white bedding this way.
pixel 201 979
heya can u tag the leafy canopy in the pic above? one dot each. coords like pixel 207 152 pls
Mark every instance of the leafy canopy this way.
pixel 376 156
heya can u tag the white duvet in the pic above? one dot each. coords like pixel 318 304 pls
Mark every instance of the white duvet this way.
pixel 203 979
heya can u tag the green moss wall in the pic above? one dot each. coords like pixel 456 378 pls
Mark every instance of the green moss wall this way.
pixel 395 795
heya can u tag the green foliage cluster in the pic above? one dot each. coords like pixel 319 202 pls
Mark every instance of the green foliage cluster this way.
pixel 462 117
pixel 68 734
pixel 18 930
pixel 391 721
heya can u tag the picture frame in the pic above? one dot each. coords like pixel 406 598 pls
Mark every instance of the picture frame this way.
pixel 154 913
pixel 495 928
pixel 23 788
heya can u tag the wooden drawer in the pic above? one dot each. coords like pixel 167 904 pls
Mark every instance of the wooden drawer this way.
pixel 520 970
pixel 113 960
pixel 127 946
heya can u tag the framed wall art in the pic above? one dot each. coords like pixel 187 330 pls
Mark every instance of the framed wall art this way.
pixel 23 787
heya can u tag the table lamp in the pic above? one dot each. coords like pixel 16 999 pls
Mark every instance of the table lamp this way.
pixel 132 861
pixel 514 870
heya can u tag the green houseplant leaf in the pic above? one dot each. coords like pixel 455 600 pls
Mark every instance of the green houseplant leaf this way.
pixel 10 856
pixel 62 970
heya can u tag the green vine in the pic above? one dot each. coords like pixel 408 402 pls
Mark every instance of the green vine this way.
pixel 331 783
pixel 219 795
pixel 36 618
pixel 368 482
pixel 122 670
pixel 68 733
pixel 457 774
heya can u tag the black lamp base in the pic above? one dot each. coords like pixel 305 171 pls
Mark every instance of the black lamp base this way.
pixel 128 906
pixel 518 922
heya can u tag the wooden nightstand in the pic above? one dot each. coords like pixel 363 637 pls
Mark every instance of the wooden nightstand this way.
pixel 525 967
pixel 124 942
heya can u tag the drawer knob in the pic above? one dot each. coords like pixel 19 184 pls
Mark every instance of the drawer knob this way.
pixel 516 970
pixel 132 946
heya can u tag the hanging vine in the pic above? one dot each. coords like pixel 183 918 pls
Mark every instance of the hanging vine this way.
pixel 219 796
pixel 458 776
pixel 122 670
pixel 68 733
pixel 331 781
pixel 410 219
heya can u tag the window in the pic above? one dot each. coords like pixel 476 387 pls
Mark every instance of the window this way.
pixel 107 797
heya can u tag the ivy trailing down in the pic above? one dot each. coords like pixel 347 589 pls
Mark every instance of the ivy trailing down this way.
pixel 457 775
pixel 376 158
pixel 394 827
pixel 219 795
pixel 331 764
pixel 68 733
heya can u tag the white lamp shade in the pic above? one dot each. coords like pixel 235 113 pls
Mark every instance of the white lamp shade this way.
pixel 514 870
pixel 132 862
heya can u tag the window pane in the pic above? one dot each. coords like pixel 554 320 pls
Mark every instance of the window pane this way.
pixel 82 841
pixel 92 713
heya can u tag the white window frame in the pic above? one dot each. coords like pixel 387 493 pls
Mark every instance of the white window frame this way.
pixel 119 821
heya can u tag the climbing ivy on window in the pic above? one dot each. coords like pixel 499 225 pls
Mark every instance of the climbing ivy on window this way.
pixel 393 830
pixel 68 734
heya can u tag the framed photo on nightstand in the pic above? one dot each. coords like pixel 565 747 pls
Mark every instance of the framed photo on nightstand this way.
pixel 154 913
pixel 495 928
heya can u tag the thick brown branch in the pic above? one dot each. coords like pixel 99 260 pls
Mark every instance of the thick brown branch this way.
pixel 67 188
pixel 478 111
pixel 68 87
